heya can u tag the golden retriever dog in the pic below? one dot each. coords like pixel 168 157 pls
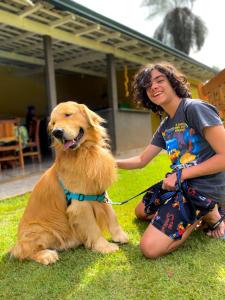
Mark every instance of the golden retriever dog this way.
pixel 84 167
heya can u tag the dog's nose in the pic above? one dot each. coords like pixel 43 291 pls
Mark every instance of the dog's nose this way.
pixel 58 133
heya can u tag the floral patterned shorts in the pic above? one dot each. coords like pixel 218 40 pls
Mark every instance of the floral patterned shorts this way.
pixel 174 212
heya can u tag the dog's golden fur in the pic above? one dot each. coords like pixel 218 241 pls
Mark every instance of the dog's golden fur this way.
pixel 85 165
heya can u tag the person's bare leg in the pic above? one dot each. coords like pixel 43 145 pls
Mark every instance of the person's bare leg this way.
pixel 211 218
pixel 140 212
pixel 155 243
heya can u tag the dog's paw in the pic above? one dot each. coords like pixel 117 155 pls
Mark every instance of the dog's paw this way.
pixel 120 237
pixel 46 257
pixel 104 246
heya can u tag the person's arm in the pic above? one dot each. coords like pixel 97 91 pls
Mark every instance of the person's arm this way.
pixel 141 160
pixel 215 135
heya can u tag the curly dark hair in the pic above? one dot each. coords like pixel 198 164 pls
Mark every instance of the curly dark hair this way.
pixel 142 81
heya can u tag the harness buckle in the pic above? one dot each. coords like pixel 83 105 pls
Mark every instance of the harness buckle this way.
pixel 100 197
pixel 81 197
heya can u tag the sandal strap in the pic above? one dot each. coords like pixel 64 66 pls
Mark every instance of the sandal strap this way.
pixel 215 225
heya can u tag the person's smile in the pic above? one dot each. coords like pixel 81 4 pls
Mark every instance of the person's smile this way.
pixel 157 96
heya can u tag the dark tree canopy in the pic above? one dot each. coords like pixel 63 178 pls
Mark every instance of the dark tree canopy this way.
pixel 180 28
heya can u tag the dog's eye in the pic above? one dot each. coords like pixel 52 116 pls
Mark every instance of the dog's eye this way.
pixel 68 115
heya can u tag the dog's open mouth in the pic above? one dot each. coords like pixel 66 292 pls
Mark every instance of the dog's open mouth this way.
pixel 75 142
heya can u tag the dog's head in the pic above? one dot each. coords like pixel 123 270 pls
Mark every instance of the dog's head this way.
pixel 72 124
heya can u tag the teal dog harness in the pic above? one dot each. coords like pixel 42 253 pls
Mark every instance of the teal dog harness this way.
pixel 80 197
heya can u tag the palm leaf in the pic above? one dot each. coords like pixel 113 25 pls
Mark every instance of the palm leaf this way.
pixel 182 30
pixel 200 32
pixel 158 7
pixel 162 7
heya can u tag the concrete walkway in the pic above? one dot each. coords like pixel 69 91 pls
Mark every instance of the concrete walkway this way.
pixel 12 184
pixel 18 186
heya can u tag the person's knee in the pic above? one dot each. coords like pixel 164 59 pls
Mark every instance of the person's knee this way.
pixel 137 212
pixel 140 213
pixel 149 249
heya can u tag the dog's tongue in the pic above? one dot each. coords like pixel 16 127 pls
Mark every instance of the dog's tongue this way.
pixel 68 144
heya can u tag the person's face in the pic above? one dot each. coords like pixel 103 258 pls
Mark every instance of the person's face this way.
pixel 160 92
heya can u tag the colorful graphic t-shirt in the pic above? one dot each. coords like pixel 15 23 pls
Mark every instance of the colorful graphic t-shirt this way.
pixel 182 137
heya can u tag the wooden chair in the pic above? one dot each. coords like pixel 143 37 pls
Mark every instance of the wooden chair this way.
pixel 10 143
pixel 32 148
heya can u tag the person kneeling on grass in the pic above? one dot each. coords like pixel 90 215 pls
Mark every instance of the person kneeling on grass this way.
pixel 194 137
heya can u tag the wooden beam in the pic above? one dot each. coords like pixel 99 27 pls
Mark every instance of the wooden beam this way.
pixel 21 58
pixel 28 2
pixel 62 21
pixel 30 10
pixel 109 36
pixel 19 37
pixel 40 62
pixel 142 49
pixel 42 29
pixel 79 60
pixel 87 29
pixel 81 70
pixel 126 44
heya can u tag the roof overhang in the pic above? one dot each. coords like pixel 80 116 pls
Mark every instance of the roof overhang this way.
pixel 81 39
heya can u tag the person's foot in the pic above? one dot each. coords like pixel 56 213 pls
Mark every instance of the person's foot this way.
pixel 216 225
pixel 218 232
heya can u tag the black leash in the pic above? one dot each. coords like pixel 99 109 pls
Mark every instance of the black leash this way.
pixel 127 200
pixel 164 197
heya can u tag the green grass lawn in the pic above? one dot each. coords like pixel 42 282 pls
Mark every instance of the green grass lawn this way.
pixel 195 271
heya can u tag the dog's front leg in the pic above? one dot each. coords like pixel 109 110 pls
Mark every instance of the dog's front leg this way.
pixel 82 219
pixel 118 235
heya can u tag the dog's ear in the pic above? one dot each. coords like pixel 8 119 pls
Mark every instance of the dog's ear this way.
pixel 92 117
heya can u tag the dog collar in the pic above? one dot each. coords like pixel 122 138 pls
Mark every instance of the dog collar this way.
pixel 80 197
